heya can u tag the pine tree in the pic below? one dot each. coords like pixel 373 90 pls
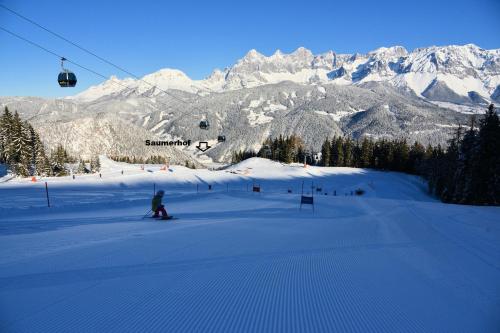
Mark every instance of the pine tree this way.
pixel 464 175
pixel 348 152
pixel 44 166
pixel 448 167
pixel 37 158
pixel 337 152
pixel 301 154
pixel 436 170
pixel 287 150
pixel 366 153
pixel 296 144
pixel 18 148
pixel 400 155
pixel 487 187
pixel 82 168
pixel 416 158
pixel 5 135
pixel 325 153
pixel 95 164
pixel 387 157
pixel 425 167
pixel 58 160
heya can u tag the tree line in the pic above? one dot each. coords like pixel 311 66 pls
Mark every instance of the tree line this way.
pixel 24 154
pixel 467 171
pixel 283 149
pixel 155 159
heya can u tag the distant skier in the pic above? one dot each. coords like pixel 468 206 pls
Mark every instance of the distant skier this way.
pixel 157 207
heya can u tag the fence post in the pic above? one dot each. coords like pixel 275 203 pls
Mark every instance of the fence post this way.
pixel 47 193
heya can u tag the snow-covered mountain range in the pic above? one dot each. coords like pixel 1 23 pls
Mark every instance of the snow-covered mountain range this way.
pixel 456 74
pixel 420 95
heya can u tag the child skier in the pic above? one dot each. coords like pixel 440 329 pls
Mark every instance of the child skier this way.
pixel 157 207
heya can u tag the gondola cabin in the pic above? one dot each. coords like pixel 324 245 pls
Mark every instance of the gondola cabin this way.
pixel 221 138
pixel 67 79
pixel 204 124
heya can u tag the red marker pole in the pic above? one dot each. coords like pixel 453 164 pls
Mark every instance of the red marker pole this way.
pixel 47 193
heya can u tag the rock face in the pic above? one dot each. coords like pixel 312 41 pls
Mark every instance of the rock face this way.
pixel 439 91
pixel 496 95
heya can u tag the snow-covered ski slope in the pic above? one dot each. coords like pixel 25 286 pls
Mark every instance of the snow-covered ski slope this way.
pixel 392 260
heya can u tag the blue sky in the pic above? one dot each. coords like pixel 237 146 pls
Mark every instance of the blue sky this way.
pixel 198 36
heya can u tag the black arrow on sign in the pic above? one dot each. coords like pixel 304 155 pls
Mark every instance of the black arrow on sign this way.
pixel 203 146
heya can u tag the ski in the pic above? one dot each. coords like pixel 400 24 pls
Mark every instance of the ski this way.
pixel 167 219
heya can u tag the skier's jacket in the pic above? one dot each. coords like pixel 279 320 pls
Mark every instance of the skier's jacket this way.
pixel 156 202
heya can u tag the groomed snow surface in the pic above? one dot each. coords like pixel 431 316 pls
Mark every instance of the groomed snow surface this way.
pixel 391 260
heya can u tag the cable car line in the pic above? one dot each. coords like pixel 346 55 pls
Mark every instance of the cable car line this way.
pixel 96 56
pixel 78 65
pixel 70 61
pixel 73 62
pixel 68 79
pixel 57 55
pixel 64 39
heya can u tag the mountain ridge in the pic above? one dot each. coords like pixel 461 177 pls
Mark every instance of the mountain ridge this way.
pixel 463 69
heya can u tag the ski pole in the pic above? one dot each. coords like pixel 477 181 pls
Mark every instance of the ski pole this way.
pixel 47 193
pixel 147 213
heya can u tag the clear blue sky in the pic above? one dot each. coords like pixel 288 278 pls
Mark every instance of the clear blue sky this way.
pixel 198 36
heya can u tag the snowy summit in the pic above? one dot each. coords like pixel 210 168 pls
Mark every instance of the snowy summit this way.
pixel 463 71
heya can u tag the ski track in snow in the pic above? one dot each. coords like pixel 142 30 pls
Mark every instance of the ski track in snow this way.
pixel 393 260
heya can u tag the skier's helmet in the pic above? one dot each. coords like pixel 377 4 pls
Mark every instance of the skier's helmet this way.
pixel 160 193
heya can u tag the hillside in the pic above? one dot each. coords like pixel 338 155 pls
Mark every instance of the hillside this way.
pixel 246 117
pixel 391 260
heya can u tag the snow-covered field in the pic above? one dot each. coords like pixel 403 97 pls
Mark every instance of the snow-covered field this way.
pixel 392 260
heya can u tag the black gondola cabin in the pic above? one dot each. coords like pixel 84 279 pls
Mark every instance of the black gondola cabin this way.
pixel 67 79
pixel 204 124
